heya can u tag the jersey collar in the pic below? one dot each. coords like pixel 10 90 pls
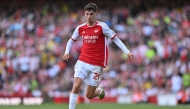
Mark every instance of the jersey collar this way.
pixel 92 25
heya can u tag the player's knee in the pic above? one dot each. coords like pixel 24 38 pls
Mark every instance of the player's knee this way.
pixel 76 87
pixel 90 96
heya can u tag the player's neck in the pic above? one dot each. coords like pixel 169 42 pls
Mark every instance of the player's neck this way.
pixel 91 23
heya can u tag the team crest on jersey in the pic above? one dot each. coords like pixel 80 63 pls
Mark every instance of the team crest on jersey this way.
pixel 83 32
pixel 96 30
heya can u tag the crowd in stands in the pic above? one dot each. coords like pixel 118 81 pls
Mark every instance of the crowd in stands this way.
pixel 33 40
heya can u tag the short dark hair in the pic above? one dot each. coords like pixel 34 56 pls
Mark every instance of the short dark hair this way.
pixel 91 6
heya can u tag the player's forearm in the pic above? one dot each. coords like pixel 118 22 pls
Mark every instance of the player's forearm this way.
pixel 68 46
pixel 120 44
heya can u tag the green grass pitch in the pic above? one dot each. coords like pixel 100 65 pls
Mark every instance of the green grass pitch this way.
pixel 97 106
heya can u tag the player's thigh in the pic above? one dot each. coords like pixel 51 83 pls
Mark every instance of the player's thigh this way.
pixel 90 90
pixel 77 82
pixel 77 85
pixel 95 75
pixel 80 70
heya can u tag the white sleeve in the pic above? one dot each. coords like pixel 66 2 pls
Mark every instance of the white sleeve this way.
pixel 107 31
pixel 73 38
pixel 121 45
pixel 75 34
pixel 68 46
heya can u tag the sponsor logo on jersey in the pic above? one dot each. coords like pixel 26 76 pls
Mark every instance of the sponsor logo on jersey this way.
pixel 90 39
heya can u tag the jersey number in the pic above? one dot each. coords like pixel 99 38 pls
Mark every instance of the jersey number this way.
pixel 96 76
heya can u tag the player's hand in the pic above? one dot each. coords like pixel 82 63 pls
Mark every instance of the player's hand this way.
pixel 65 57
pixel 130 56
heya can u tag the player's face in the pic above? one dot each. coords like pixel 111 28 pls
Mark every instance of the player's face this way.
pixel 90 16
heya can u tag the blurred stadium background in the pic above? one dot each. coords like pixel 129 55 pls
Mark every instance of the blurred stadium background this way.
pixel 33 35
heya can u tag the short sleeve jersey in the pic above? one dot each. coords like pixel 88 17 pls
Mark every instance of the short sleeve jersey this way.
pixel 94 49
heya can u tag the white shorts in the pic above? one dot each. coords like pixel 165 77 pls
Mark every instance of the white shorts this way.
pixel 92 73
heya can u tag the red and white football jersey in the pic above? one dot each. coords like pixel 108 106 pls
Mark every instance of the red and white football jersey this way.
pixel 94 50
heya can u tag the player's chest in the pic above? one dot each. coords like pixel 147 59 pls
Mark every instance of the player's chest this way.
pixel 91 35
pixel 96 31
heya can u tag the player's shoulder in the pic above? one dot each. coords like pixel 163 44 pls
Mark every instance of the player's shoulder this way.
pixel 102 24
pixel 81 25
